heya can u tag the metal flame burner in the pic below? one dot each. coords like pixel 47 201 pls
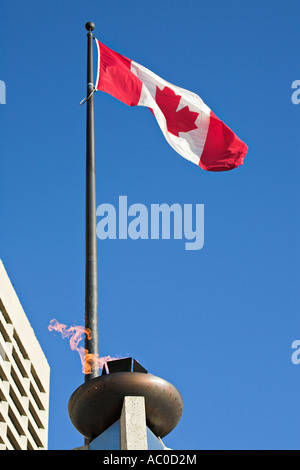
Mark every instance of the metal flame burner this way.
pixel 97 404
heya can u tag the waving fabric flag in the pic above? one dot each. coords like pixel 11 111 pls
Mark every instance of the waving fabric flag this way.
pixel 187 123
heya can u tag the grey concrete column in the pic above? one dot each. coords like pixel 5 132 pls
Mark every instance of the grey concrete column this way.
pixel 133 424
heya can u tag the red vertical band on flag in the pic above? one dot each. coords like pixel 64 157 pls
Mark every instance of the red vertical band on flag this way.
pixel 116 78
pixel 223 150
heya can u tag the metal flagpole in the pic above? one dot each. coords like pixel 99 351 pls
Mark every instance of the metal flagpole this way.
pixel 91 282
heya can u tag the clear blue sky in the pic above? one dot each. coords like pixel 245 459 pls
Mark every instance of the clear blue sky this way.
pixel 218 323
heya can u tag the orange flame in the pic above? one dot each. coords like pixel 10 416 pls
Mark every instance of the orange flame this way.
pixel 89 361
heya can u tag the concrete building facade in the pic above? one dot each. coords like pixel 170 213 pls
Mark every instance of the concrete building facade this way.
pixel 24 377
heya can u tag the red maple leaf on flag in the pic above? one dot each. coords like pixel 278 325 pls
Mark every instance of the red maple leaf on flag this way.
pixel 177 121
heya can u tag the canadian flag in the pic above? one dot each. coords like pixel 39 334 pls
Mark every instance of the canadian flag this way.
pixel 187 123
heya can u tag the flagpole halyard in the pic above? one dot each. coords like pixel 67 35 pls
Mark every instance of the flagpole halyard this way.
pixel 91 277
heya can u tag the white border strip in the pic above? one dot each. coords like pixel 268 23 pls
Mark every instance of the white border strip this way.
pixel 98 68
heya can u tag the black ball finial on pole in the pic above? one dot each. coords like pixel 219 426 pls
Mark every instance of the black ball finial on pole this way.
pixel 90 26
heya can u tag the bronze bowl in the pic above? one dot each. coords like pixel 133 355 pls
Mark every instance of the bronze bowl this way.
pixel 97 404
